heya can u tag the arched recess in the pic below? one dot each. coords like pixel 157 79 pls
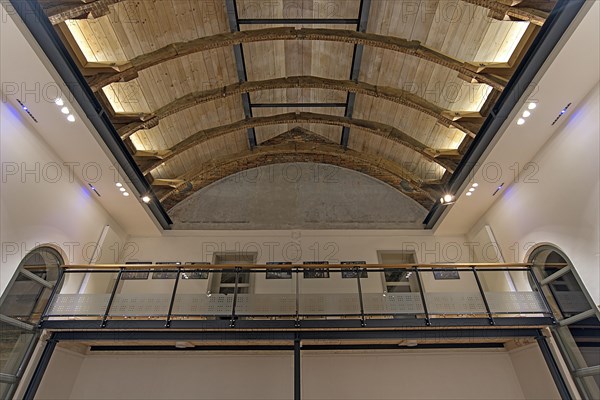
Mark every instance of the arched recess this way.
pixel 284 149
pixel 399 96
pixel 383 130
pixel 298 195
pixel 128 71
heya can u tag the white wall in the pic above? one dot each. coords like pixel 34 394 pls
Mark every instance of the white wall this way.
pixel 44 206
pixel 398 374
pixel 563 206
pixel 533 374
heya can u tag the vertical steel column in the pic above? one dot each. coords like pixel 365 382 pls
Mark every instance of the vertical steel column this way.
pixel 541 292
pixel 168 324
pixel 559 381
pixel 112 297
pixel 297 370
pixel 55 289
pixel 416 271
pixel 360 298
pixel 485 303
pixel 235 293
pixel 40 369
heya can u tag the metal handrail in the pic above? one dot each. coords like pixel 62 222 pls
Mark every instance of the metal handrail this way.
pixel 175 267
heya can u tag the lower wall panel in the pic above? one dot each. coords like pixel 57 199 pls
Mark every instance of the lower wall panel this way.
pixel 401 374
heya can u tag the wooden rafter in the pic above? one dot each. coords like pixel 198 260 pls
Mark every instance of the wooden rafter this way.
pixel 499 9
pixel 399 96
pixel 287 152
pixel 376 128
pixel 130 70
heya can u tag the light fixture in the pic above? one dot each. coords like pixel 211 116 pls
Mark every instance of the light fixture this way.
pixel 146 199
pixel 70 118
pixel 532 106
pixel 526 113
pixel 119 184
pixel 125 194
pixel 122 189
pixel 475 184
pixel 520 121
pixel 59 102
pixel 64 110
pixel 469 193
pixel 448 198
pixel 472 190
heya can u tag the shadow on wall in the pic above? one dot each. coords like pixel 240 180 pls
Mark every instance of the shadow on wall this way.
pixel 298 196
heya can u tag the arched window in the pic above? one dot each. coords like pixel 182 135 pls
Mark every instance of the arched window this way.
pixel 578 330
pixel 21 307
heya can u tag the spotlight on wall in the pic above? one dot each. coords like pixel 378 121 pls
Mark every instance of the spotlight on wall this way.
pixel 122 189
pixel 70 118
pixel 447 199
pixel 125 194
pixel 520 121
pixel 59 102
pixel 146 199
pixel 532 106
pixel 64 110
pixel 119 184
pixel 526 113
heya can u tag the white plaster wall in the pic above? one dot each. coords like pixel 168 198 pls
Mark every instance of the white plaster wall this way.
pixel 37 208
pixel 563 206
pixel 533 374
pixel 401 374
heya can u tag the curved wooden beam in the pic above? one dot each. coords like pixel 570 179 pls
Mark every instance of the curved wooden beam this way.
pixel 376 128
pixel 398 96
pixel 378 168
pixel 414 48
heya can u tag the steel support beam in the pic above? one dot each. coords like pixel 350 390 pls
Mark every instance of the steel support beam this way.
pixel 238 53
pixel 297 105
pixel 365 7
pixel 40 369
pixel 561 386
pixel 297 370
pixel 297 21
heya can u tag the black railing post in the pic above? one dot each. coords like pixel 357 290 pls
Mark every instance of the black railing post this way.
pixel 360 298
pixel 235 293
pixel 541 293
pixel 56 287
pixel 112 297
pixel 297 321
pixel 485 303
pixel 559 381
pixel 297 369
pixel 416 271
pixel 168 324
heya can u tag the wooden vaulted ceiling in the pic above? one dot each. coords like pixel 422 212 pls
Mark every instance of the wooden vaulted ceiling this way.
pixel 201 89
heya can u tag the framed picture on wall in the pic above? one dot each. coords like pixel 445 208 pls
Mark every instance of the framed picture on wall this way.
pixel 350 272
pixel 316 273
pixel 195 273
pixel 135 275
pixel 279 273
pixel 443 274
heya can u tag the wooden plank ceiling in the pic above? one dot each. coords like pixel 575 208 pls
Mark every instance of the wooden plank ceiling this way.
pixel 201 89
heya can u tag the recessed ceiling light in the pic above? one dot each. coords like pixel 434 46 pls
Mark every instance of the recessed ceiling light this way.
pixel 526 113
pixel 146 199
pixel 475 184
pixel 532 106
pixel 122 189
pixel 520 121
pixel 125 194
pixel 71 118
pixel 119 184
pixel 469 193
pixel 64 110
pixel 59 102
